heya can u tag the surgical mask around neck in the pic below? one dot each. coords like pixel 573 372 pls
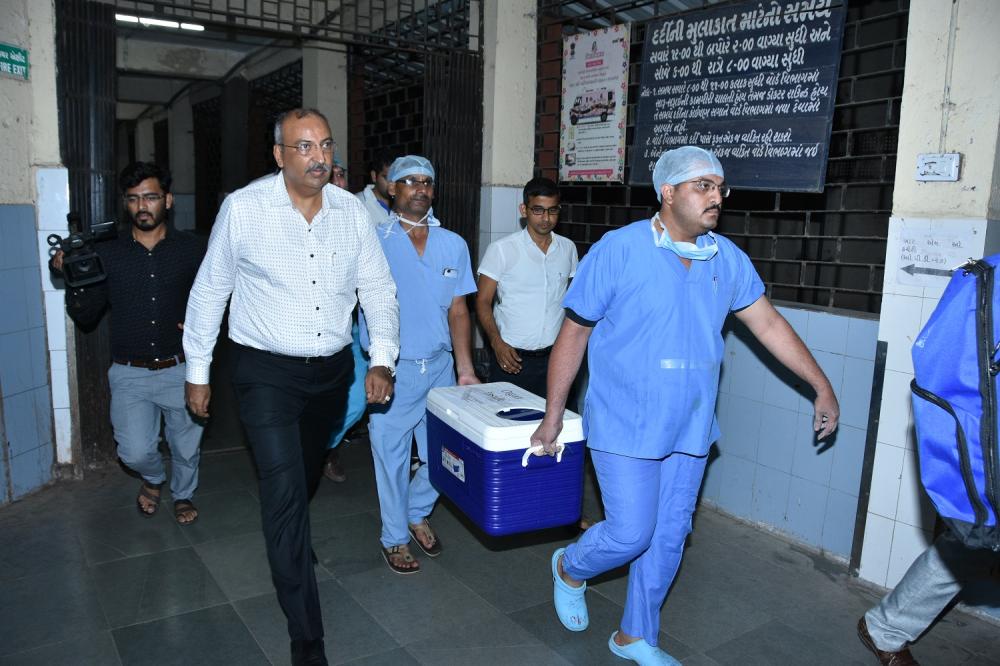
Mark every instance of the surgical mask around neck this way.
pixel 427 220
pixel 683 248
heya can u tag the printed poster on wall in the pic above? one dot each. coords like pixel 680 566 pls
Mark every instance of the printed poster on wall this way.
pixel 592 124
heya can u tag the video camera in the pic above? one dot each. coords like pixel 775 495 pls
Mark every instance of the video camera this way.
pixel 81 263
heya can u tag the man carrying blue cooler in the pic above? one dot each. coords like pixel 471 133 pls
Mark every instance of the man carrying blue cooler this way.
pixel 648 304
pixel 433 275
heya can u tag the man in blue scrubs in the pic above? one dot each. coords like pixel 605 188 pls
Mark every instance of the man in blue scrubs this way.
pixel 650 300
pixel 433 274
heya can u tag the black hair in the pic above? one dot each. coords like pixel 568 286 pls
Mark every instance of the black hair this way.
pixel 540 187
pixel 137 172
pixel 379 161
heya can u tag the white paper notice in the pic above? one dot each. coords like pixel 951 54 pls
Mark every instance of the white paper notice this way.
pixel 594 91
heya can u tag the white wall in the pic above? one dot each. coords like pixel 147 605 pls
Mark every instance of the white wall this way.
pixel 29 128
pixel 951 103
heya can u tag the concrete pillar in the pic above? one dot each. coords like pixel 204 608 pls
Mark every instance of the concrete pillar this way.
pixel 182 166
pixel 144 146
pixel 324 87
pixel 510 36
pixel 950 105
pixel 236 115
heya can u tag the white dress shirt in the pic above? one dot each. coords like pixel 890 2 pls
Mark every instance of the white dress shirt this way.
pixel 293 284
pixel 376 212
pixel 530 287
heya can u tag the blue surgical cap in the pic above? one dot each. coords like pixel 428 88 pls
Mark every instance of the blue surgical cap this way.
pixel 410 165
pixel 683 164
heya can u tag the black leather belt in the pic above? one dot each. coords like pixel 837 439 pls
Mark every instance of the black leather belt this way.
pixel 153 363
pixel 534 352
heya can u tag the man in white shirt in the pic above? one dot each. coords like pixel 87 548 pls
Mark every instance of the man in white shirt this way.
pixel 296 254
pixel 376 197
pixel 528 272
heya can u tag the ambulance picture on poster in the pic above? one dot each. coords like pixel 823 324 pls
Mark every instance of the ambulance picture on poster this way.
pixel 594 89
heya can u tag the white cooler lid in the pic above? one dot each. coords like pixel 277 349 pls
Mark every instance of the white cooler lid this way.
pixel 497 416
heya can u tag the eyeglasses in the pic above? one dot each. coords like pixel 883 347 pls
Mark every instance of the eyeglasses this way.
pixel 413 182
pixel 132 199
pixel 305 148
pixel 706 186
pixel 541 210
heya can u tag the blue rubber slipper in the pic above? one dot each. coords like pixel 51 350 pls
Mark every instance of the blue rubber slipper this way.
pixel 571 606
pixel 641 653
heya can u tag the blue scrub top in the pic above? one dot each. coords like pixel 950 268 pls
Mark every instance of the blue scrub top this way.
pixel 425 287
pixel 656 348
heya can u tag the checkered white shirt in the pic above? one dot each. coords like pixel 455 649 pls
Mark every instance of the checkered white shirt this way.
pixel 293 284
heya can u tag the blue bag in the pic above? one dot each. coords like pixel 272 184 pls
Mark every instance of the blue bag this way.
pixel 955 404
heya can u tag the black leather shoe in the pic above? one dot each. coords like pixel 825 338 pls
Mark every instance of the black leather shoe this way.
pixel 898 658
pixel 308 653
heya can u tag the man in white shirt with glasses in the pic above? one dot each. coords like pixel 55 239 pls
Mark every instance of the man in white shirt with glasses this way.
pixel 296 254
pixel 527 274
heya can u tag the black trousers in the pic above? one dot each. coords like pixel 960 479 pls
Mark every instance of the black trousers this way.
pixel 533 375
pixel 288 407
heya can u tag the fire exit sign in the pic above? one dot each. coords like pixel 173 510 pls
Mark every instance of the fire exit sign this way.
pixel 13 62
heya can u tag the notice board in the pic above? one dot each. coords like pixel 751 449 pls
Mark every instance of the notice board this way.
pixel 754 82
pixel 592 125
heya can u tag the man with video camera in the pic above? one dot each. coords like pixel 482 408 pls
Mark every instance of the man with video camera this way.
pixel 149 271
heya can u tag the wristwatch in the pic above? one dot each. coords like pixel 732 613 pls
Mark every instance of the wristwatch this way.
pixel 391 371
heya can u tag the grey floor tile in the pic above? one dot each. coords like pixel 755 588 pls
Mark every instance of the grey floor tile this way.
pixel 57 605
pixel 413 607
pixel 27 548
pixel 397 657
pixel 97 649
pixel 348 545
pixel 933 650
pixel 968 632
pixel 703 615
pixel 239 565
pixel 508 579
pixel 210 636
pixel 121 532
pixel 226 471
pixel 223 514
pixel 590 646
pixel 139 589
pixel 495 642
pixel 778 643
pixel 356 495
pixel 350 632
pixel 699 659
pixel 357 454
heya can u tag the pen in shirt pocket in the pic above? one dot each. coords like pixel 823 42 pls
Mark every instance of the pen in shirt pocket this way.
pixel 715 284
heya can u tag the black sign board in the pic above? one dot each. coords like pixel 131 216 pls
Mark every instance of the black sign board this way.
pixel 754 82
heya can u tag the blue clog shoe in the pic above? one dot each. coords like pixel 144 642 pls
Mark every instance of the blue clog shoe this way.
pixel 571 606
pixel 641 653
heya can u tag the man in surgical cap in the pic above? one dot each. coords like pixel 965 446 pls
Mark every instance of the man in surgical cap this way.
pixel 433 275
pixel 648 304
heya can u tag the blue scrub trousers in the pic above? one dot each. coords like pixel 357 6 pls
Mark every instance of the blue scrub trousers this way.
pixel 357 400
pixel 391 429
pixel 648 506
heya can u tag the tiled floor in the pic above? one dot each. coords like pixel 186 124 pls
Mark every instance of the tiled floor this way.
pixel 85 580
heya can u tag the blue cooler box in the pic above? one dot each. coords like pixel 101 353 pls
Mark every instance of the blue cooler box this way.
pixel 477 454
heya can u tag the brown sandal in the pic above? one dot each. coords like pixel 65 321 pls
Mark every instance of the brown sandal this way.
pixel 423 527
pixel 400 553
pixel 145 490
pixel 183 508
